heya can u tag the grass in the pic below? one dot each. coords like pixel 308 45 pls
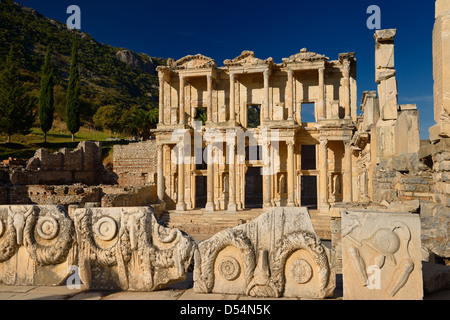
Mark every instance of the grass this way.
pixel 25 146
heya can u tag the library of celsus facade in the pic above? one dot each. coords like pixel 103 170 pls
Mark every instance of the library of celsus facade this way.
pixel 273 134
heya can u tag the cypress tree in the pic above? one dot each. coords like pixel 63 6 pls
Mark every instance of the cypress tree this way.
pixel 16 105
pixel 46 98
pixel 73 96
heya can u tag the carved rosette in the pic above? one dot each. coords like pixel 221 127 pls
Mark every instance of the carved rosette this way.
pixel 135 244
pixel 300 241
pixel 46 233
pixel 206 255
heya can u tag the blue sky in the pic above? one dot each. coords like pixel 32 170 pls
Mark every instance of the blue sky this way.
pixel 277 29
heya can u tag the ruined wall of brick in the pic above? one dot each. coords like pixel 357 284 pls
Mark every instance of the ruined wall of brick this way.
pixel 83 165
pixel 441 167
pixel 403 178
pixel 51 195
pixel 135 164
pixel 135 197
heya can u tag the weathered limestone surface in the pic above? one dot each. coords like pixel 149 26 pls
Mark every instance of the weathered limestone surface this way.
pixel 381 256
pixel 407 133
pixel 441 72
pixel 36 245
pixel 126 249
pixel 277 254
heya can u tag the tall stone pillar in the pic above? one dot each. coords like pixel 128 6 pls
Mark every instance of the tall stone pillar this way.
pixel 160 174
pixel 290 95
pixel 348 189
pixel 232 207
pixel 182 98
pixel 291 173
pixel 347 89
pixel 267 176
pixel 323 176
pixel 161 98
pixel 209 80
pixel 181 204
pixel 210 191
pixel 266 94
pixel 441 72
pixel 321 101
pixel 232 97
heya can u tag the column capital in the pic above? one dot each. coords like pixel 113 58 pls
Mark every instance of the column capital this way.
pixel 290 72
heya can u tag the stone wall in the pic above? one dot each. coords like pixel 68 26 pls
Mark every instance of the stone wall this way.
pixel 121 197
pixel 135 164
pixel 83 165
pixel 402 178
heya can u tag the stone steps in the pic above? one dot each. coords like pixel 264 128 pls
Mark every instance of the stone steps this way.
pixel 202 225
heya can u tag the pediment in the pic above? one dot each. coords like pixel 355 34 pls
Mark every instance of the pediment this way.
pixel 194 62
pixel 305 56
pixel 247 58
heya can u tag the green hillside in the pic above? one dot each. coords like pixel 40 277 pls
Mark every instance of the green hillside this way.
pixel 106 80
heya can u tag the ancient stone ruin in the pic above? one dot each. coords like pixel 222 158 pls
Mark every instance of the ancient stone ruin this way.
pixel 263 181
pixel 277 254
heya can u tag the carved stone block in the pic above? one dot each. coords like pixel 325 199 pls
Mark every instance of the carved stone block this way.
pixel 388 93
pixel 382 256
pixel 277 254
pixel 36 245
pixel 126 249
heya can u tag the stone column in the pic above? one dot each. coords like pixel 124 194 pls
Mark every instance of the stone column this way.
pixel 232 97
pixel 321 102
pixel 160 173
pixel 266 95
pixel 181 205
pixel 161 99
pixel 347 89
pixel 182 85
pixel 232 207
pixel 323 176
pixel 290 94
pixel 291 173
pixel 210 191
pixel 267 176
pixel 348 190
pixel 209 80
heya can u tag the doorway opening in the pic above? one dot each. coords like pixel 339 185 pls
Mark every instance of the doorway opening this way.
pixel 309 192
pixel 201 189
pixel 254 188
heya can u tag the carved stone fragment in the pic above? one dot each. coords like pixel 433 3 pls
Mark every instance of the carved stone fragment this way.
pixel 36 245
pixel 126 249
pixel 382 256
pixel 277 254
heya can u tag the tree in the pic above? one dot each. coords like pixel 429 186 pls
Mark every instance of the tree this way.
pixel 16 105
pixel 46 97
pixel 142 121
pixel 108 117
pixel 73 96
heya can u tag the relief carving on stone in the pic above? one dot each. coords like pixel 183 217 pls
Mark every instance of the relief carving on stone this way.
pixel 247 58
pixel 41 235
pixel 126 249
pixel 381 254
pixel 304 55
pixel 276 255
pixel 192 62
